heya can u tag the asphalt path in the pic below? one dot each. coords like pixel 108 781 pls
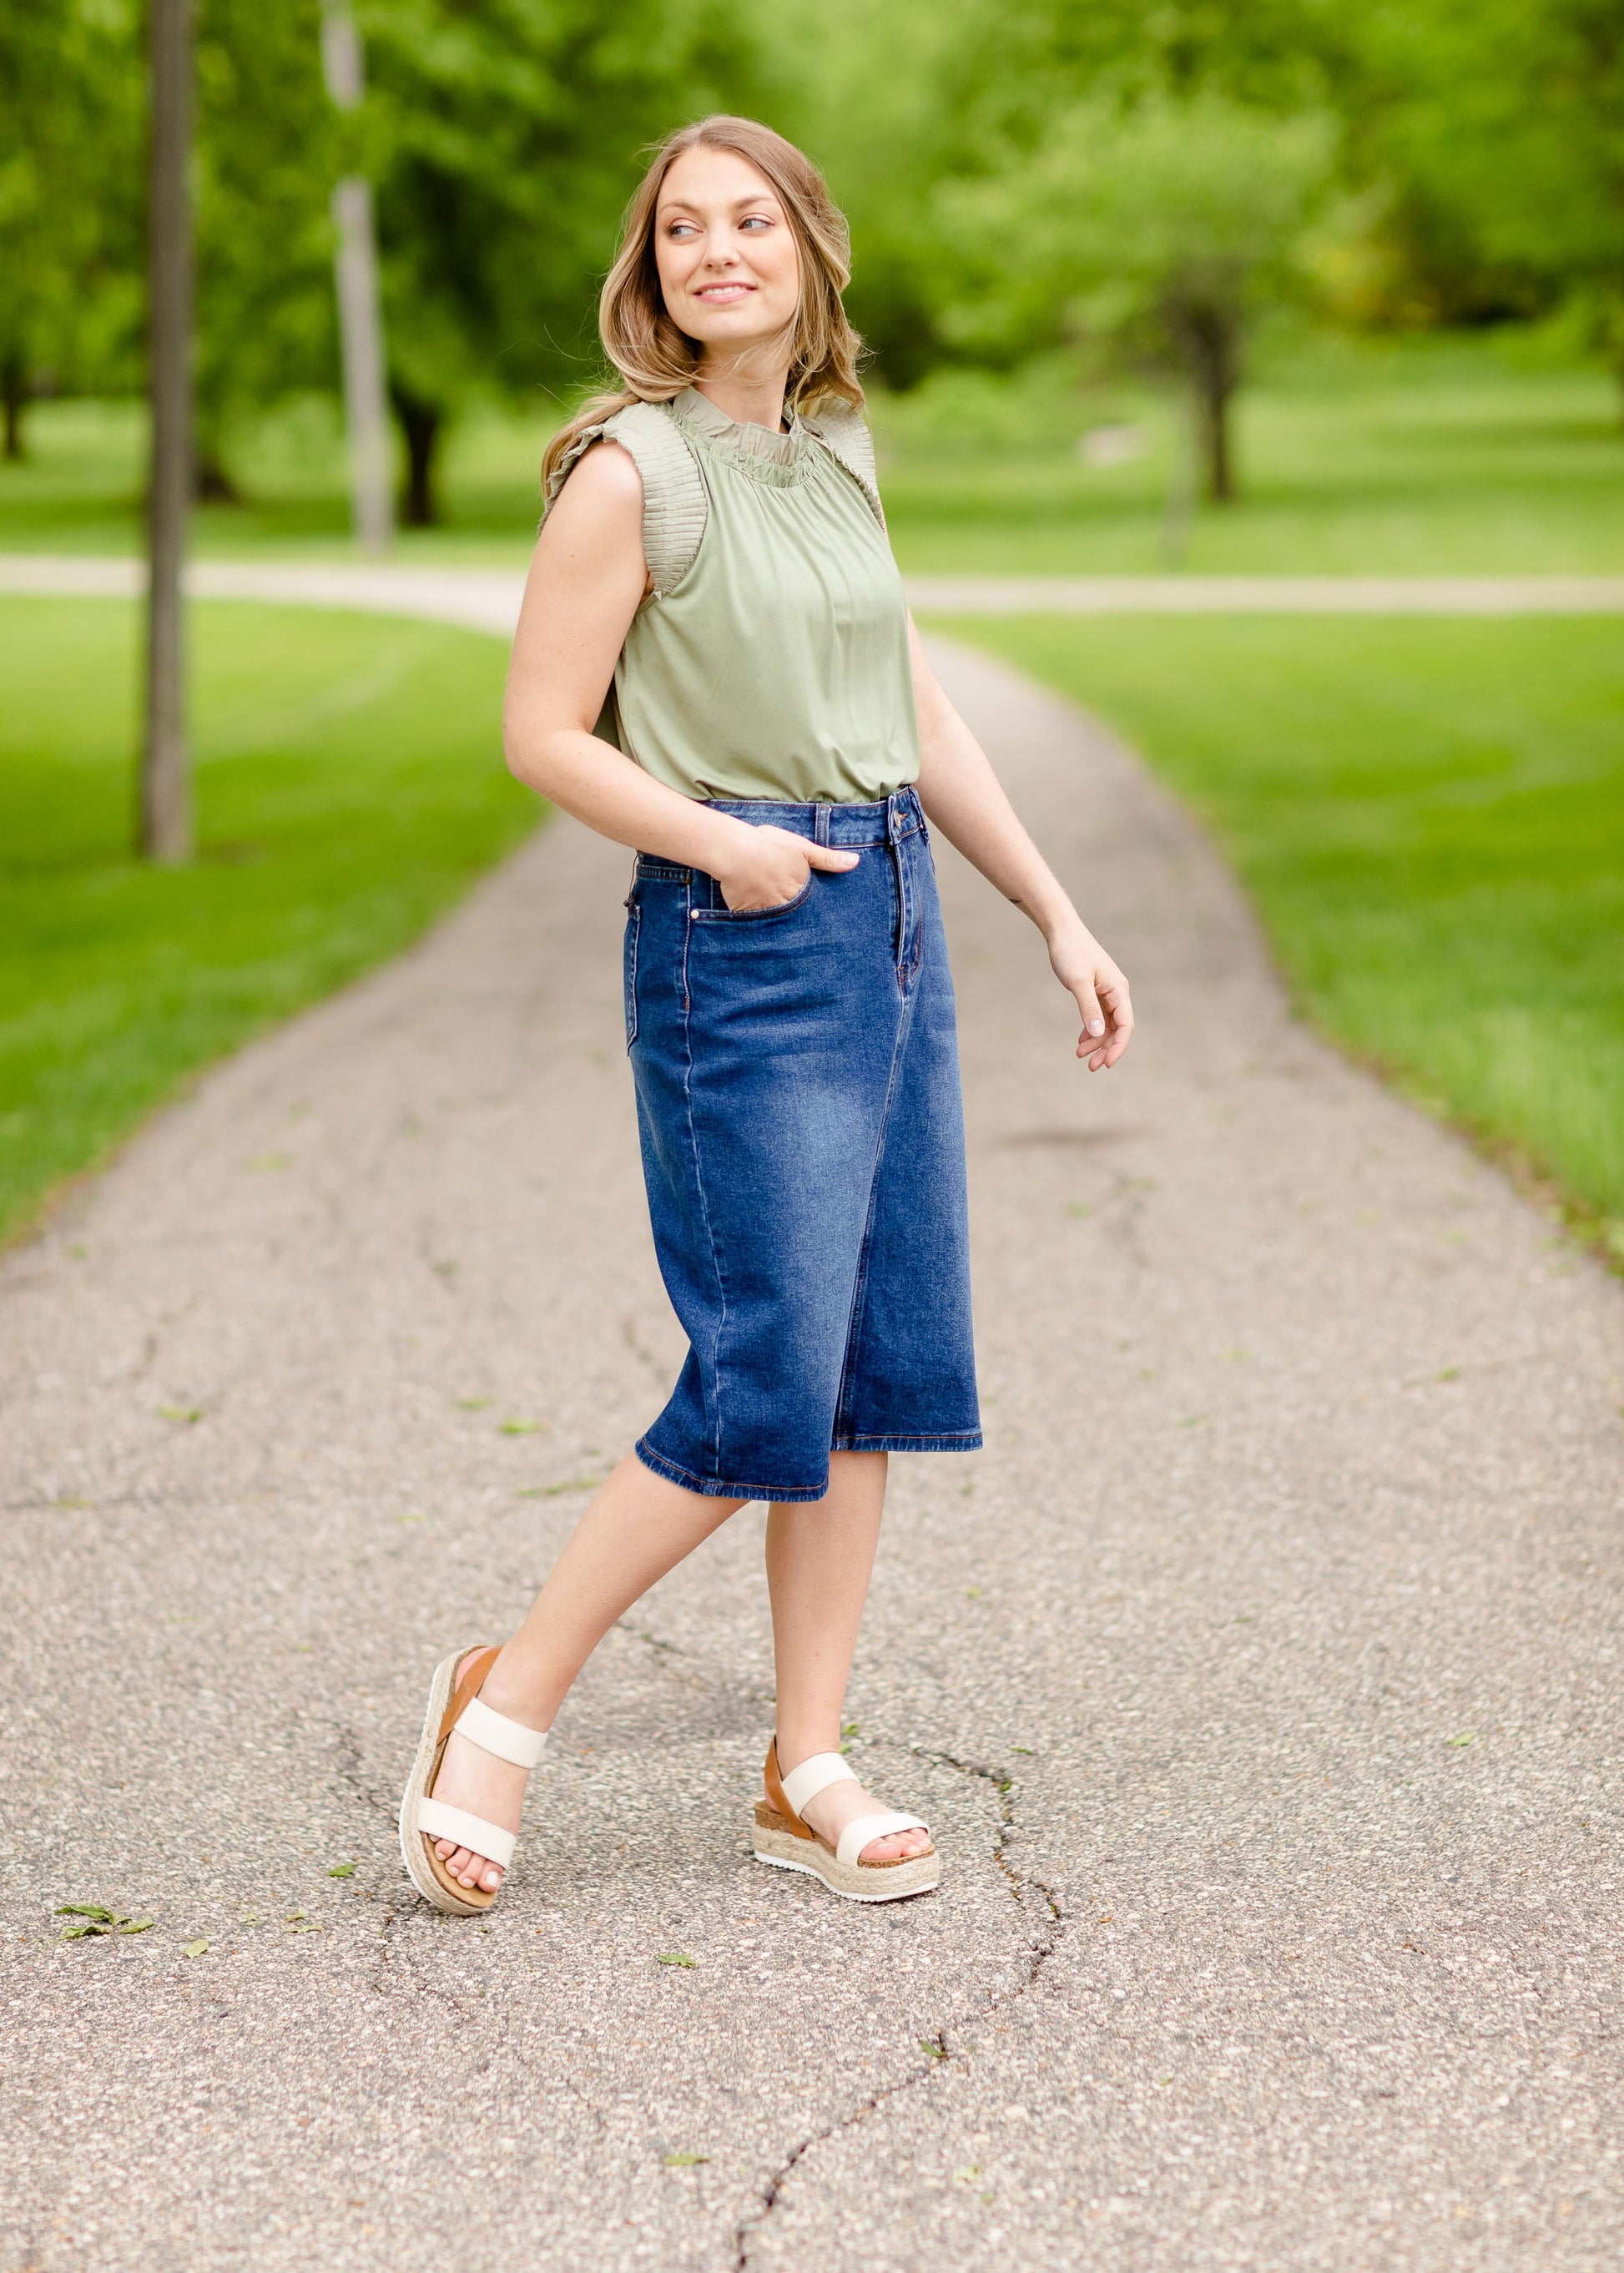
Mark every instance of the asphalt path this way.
pixel 1260 1680
pixel 487 599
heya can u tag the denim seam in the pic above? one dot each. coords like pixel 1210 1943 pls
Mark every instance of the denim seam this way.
pixel 854 1325
pixel 918 928
pixel 896 1440
pixel 714 1487
pixel 635 916
pixel 726 915
pixel 711 1386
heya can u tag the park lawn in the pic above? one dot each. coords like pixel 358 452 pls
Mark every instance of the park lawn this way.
pixel 349 786
pixel 1476 453
pixel 1430 818
pixel 1412 458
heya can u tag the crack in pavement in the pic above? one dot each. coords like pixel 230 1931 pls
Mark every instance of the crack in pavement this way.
pixel 1020 1883
pixel 1041 1944
pixel 1040 1948
pixel 348 1772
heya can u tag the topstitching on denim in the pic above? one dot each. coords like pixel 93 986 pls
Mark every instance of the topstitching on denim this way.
pixel 723 913
pixel 634 926
pixel 846 827
pixel 710 1378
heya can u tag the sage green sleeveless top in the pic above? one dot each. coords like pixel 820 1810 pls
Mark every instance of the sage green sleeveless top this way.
pixel 770 660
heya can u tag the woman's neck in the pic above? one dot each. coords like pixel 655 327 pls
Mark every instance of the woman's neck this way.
pixel 751 398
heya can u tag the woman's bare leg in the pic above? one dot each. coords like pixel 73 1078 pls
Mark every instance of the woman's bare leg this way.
pixel 820 1556
pixel 637 1528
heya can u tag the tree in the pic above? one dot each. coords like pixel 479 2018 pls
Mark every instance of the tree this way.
pixel 269 148
pixel 166 779
pixel 509 135
pixel 73 206
pixel 1153 232
pixel 1496 128
pixel 71 124
pixel 893 101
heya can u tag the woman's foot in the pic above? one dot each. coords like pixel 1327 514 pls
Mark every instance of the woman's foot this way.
pixel 829 1811
pixel 471 1778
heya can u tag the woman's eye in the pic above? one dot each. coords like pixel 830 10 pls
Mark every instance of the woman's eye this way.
pixel 756 220
pixel 683 229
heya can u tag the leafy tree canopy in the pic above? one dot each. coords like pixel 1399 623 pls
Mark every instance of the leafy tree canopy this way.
pixel 1152 233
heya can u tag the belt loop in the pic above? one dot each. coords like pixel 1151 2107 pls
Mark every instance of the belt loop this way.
pixel 893 831
pixel 820 823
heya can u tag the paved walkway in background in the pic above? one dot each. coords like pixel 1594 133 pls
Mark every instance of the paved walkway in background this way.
pixel 488 599
pixel 1261 1679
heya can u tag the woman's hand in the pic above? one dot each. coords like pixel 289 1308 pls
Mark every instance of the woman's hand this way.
pixel 1084 970
pixel 767 866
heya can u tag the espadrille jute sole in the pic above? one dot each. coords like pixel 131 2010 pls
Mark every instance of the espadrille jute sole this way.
pixel 774 1843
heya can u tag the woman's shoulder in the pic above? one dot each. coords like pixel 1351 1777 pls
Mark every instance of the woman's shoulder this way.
pixel 844 432
pixel 605 473
pixel 652 470
pixel 595 481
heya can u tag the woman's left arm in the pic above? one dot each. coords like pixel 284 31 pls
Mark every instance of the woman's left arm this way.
pixel 964 800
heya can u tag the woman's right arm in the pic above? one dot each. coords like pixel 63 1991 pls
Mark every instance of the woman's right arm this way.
pixel 587 581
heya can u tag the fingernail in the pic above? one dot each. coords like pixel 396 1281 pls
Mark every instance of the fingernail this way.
pixel 1096 1025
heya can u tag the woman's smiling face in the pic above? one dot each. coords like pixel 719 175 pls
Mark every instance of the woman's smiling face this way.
pixel 728 267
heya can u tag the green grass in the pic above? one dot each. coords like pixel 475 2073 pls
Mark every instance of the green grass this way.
pixel 1502 453
pixel 1430 819
pixel 78 489
pixel 1405 459
pixel 349 786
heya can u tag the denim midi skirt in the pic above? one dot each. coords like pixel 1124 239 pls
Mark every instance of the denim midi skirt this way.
pixel 799 1110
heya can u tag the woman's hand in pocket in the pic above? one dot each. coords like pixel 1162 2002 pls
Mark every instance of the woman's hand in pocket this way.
pixel 766 867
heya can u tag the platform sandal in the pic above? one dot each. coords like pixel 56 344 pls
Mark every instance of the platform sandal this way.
pixel 782 1838
pixel 454 1703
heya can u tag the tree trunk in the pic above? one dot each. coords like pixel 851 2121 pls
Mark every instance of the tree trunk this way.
pixel 1210 340
pixel 212 484
pixel 14 393
pixel 422 423
pixel 166 781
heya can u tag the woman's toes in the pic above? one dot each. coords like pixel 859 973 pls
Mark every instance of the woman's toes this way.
pixel 468 1869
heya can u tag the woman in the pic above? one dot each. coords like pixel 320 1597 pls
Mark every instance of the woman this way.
pixel 715 666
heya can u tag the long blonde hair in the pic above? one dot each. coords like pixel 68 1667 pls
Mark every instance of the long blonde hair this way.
pixel 655 360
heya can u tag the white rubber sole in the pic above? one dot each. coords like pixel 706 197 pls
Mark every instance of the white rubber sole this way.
pixel 413 1854
pixel 853 1882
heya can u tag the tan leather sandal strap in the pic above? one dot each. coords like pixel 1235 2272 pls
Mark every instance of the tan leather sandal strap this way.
pixel 468 1685
pixel 774 1783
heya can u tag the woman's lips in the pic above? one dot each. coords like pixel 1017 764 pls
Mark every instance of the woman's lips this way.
pixel 714 292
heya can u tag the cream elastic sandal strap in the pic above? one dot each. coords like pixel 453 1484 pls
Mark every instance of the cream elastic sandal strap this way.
pixel 470 1831
pixel 815 1775
pixel 862 1828
pixel 494 1732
